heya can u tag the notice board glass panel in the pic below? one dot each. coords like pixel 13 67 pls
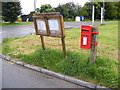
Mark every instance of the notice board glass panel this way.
pixel 41 26
pixel 54 26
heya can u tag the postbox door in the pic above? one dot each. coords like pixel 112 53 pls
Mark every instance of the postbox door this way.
pixel 86 37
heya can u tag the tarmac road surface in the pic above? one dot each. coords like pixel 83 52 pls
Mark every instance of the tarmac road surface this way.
pixel 16 76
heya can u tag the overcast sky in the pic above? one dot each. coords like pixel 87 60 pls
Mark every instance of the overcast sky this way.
pixel 28 5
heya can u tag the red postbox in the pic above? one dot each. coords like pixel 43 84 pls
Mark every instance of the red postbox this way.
pixel 86 37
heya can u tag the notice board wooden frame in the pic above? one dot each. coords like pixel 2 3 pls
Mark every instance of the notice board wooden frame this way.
pixel 45 17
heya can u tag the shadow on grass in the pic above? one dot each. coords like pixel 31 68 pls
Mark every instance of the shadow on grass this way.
pixel 103 72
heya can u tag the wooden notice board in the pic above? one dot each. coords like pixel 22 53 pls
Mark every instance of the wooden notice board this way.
pixel 50 24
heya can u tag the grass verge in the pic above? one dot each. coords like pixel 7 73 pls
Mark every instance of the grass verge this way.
pixel 103 72
pixel 6 24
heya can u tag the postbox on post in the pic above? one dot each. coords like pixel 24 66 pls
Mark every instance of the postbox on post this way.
pixel 86 36
pixel 89 40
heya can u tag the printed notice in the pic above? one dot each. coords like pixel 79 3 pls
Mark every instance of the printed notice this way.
pixel 84 40
pixel 53 24
pixel 41 24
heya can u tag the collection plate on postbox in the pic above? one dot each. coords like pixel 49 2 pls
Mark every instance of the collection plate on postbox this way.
pixel 49 24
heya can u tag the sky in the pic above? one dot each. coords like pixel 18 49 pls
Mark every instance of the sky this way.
pixel 28 5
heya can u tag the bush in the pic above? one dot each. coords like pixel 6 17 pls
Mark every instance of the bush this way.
pixel 10 11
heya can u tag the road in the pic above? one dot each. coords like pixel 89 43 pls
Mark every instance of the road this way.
pixel 24 30
pixel 17 31
pixel 15 76
pixel 69 25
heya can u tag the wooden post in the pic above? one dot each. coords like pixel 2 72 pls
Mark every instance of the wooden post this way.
pixel 47 26
pixel 93 51
pixel 42 41
pixel 63 46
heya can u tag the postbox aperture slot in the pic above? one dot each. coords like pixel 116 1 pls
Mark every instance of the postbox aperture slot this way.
pixel 84 30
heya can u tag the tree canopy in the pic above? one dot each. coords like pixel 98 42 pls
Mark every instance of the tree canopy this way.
pixel 68 10
pixel 10 11
pixel 45 8
pixel 110 10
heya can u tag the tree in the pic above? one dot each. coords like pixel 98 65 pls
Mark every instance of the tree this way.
pixel 32 12
pixel 118 11
pixel 63 10
pixel 46 8
pixel 111 10
pixel 38 9
pixel 83 12
pixel 87 9
pixel 68 10
pixel 72 9
pixel 10 11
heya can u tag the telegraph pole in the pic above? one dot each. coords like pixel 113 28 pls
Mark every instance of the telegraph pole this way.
pixel 101 15
pixel 35 6
pixel 103 9
pixel 93 12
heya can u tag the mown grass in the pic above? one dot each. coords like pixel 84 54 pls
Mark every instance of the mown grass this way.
pixel 6 24
pixel 103 72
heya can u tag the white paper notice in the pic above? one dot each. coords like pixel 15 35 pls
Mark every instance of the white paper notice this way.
pixel 84 40
pixel 53 24
pixel 41 24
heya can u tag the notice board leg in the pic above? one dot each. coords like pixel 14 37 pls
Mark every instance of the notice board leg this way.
pixel 63 46
pixel 42 41
pixel 93 51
